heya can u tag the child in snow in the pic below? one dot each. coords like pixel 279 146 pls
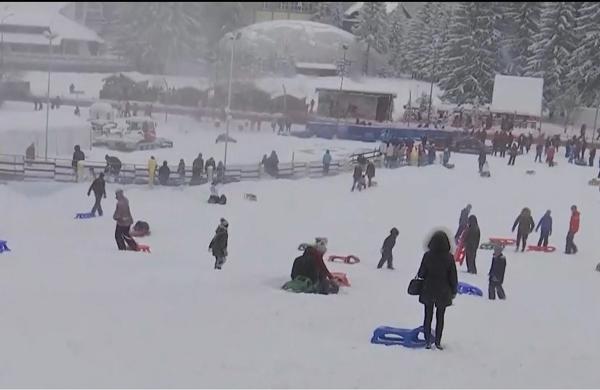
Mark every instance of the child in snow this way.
pixel 497 274
pixel 218 245
pixel 386 249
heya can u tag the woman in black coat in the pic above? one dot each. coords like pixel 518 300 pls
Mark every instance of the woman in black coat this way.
pixel 472 237
pixel 440 284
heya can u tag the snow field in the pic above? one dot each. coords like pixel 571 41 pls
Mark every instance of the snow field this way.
pixel 77 313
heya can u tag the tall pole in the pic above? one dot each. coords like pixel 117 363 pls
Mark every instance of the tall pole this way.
pixel 228 112
pixel 595 119
pixel 166 96
pixel 50 37
pixel 343 71
pixel 432 78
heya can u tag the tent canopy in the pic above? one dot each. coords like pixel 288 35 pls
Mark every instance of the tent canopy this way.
pixel 518 95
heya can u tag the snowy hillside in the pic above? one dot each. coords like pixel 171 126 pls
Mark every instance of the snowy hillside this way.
pixel 81 314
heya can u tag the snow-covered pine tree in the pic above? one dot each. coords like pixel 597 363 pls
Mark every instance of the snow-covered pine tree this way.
pixel 430 24
pixel 552 49
pixel 585 60
pixel 372 28
pixel 518 26
pixel 330 12
pixel 152 33
pixel 397 42
pixel 468 59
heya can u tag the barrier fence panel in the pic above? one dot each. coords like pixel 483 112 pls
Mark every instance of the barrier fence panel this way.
pixel 64 171
pixel 250 172
pixel 12 167
pixel 39 170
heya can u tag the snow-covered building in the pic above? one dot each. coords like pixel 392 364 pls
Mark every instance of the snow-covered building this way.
pixel 26 26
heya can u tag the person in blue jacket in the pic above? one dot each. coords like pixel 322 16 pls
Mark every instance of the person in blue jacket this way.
pixel 546 225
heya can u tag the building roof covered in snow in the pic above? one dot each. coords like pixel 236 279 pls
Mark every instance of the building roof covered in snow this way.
pixel 356 7
pixel 356 92
pixel 44 16
pixel 518 95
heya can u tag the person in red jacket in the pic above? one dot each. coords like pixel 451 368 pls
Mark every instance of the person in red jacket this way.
pixel 326 283
pixel 571 248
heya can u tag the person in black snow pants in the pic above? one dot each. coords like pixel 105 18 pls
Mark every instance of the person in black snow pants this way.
pixel 440 285
pixel 357 176
pixel 482 158
pixel 514 150
pixel 386 249
pixel 472 237
pixel 539 148
pixel 99 188
pixel 526 226
pixel 218 245
pixel 497 274
pixel 546 225
pixel 462 222
pixel 370 171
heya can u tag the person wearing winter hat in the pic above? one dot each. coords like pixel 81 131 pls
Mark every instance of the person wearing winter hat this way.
pixel 386 249
pixel 122 216
pixel 218 245
pixel 326 283
pixel 496 274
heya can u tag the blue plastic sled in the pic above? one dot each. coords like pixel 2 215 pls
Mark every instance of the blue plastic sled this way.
pixel 4 247
pixel 84 215
pixel 408 338
pixel 464 288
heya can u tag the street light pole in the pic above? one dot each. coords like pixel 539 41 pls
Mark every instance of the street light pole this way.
pixel 342 72
pixel 435 54
pixel 50 37
pixel 166 96
pixel 233 38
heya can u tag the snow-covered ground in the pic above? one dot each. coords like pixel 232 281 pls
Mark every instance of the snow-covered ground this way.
pixel 78 313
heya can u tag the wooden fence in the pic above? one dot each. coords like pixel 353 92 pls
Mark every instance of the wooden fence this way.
pixel 16 167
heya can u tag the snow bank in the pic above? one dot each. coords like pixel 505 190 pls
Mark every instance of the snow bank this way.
pixel 80 314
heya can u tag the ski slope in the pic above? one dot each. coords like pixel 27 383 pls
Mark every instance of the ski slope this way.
pixel 78 313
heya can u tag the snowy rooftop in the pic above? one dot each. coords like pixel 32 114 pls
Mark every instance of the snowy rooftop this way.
pixel 520 95
pixel 46 15
pixel 315 65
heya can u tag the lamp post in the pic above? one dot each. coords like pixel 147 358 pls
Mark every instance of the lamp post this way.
pixel 166 97
pixel 342 72
pixel 2 43
pixel 50 37
pixel 433 65
pixel 233 38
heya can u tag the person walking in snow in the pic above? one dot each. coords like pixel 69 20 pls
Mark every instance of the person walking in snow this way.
pixel 99 188
pixel 370 171
pixel 526 225
pixel 218 245
pixel 471 244
pixel 357 177
pixel 163 174
pixel 326 162
pixel 440 285
pixel 482 158
pixel 197 167
pixel 496 274
pixel 545 224
pixel 539 148
pixel 463 222
pixel 152 165
pixel 514 150
pixel 592 156
pixel 181 171
pixel 571 248
pixel 122 216
pixel 386 249
pixel 550 156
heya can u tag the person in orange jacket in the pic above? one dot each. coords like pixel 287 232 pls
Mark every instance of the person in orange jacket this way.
pixel 571 248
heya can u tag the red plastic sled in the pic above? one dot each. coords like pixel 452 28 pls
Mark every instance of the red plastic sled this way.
pixel 341 279
pixel 459 254
pixel 503 241
pixel 350 259
pixel 535 248
pixel 143 248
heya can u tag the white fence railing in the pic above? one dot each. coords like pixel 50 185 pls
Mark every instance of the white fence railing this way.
pixel 16 167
